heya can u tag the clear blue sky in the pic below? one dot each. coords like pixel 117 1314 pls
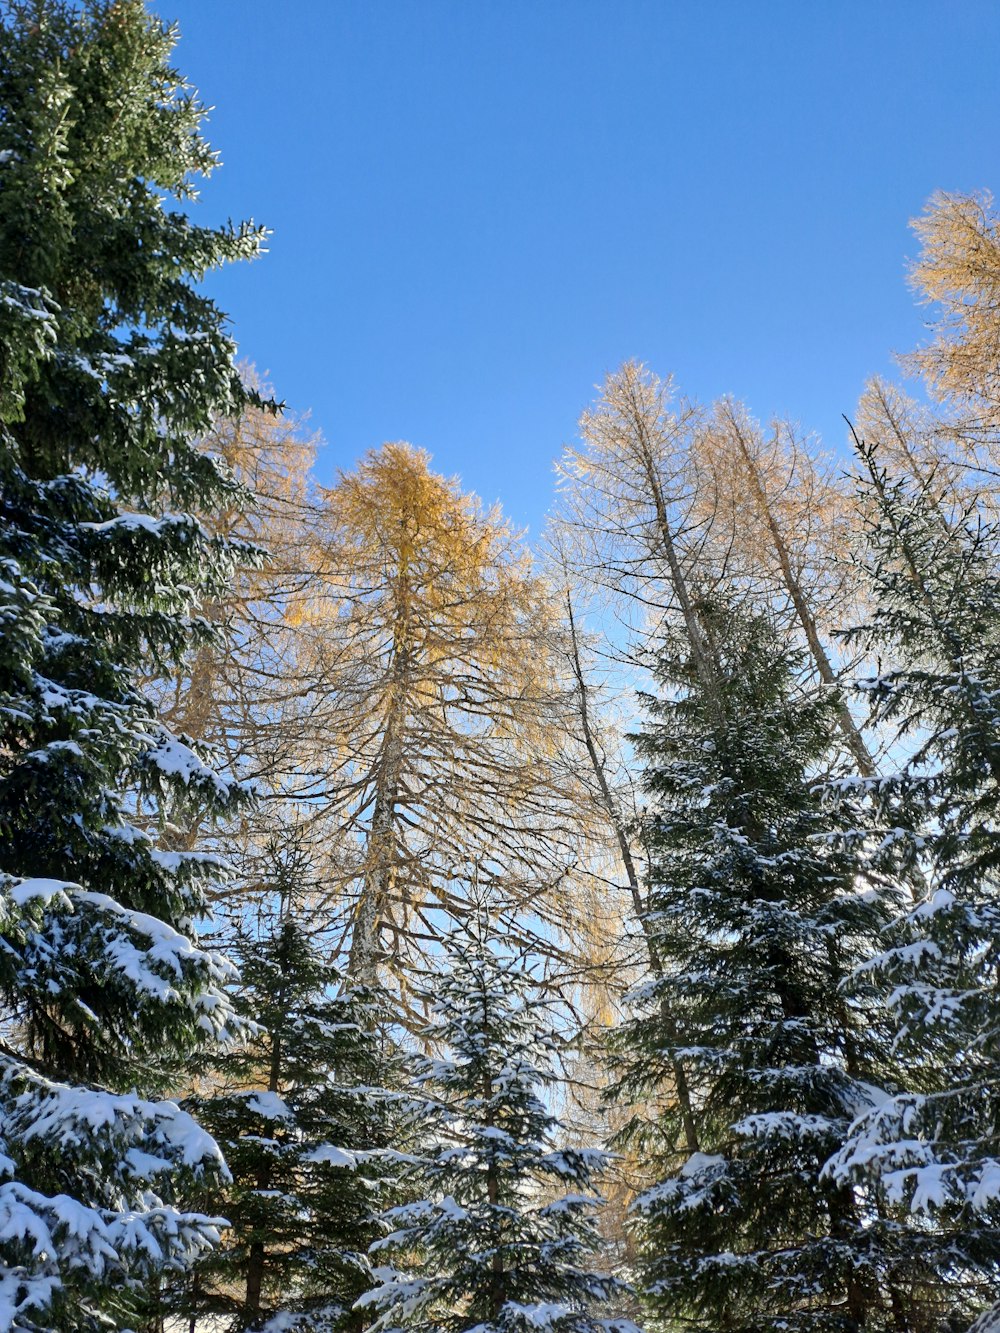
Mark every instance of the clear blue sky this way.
pixel 481 206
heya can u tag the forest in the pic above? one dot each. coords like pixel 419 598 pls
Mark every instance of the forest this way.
pixel 405 927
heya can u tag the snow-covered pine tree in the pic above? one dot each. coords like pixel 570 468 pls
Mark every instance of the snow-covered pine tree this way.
pixel 111 364
pixel 307 1119
pixel 500 1239
pixel 757 919
pixel 934 1151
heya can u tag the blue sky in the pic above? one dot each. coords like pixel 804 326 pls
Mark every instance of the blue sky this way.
pixel 482 206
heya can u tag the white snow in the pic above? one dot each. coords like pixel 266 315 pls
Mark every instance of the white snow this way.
pixel 269 1105
pixel 25 890
pixel 328 1155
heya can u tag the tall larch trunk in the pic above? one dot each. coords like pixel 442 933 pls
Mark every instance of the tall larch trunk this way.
pixel 381 853
pixel 849 729
pixel 257 1255
pixel 701 650
pixel 629 866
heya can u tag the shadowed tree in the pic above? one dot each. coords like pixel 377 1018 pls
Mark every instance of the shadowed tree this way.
pixel 758 922
pixel 932 1151
pixel 112 364
pixel 305 1113
pixel 501 1237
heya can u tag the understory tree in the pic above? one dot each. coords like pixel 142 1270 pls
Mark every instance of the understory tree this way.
pixel 307 1120
pixel 500 1233
pixel 111 364
pixel 758 919
pixel 934 1151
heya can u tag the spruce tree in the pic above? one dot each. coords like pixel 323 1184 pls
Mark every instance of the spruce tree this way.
pixel 307 1123
pixel 934 1150
pixel 111 365
pixel 758 919
pixel 500 1237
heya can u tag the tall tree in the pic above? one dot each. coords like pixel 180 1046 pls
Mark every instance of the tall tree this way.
pixel 950 446
pixel 933 1149
pixel 245 696
pixel 958 272
pixel 252 697
pixel 758 922
pixel 440 690
pixel 112 363
pixel 957 275
pixel 624 942
pixel 627 507
pixel 627 527
pixel 912 442
pixel 612 793
pixel 496 1243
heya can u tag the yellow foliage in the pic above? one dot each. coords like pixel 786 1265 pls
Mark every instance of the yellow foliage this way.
pixel 959 272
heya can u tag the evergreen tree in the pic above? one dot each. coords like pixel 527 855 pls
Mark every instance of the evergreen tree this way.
pixel 306 1124
pixel 111 364
pixel 935 1149
pixel 757 919
pixel 496 1243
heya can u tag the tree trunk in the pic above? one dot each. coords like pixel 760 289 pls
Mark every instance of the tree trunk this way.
pixel 257 1255
pixel 380 870
pixel 628 863
pixel 498 1279
pixel 381 852
pixel 852 736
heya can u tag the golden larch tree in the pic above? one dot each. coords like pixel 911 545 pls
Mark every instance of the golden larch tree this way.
pixel 441 703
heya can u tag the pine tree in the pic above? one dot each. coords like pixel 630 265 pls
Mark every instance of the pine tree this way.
pixel 306 1122
pixel 757 920
pixel 111 364
pixel 935 1149
pixel 496 1243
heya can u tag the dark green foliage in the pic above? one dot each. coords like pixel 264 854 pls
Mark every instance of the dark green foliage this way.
pixel 307 1124
pixel 111 365
pixel 495 1243
pixel 934 1151
pixel 934 577
pixel 745 1035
